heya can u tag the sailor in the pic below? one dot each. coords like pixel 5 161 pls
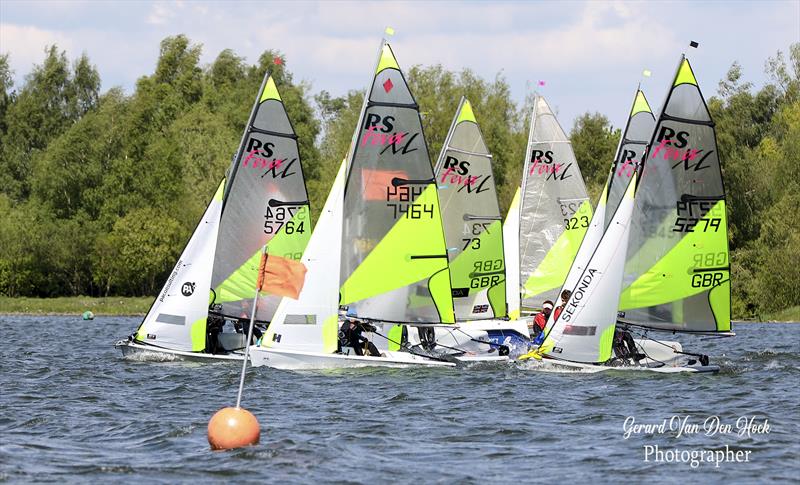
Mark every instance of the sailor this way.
pixel 350 335
pixel 624 345
pixel 214 325
pixel 564 299
pixel 540 320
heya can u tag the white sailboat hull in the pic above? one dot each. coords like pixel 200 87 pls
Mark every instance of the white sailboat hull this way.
pixel 299 360
pixel 148 353
pixel 564 365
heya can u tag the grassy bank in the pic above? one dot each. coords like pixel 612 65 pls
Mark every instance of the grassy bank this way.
pixel 124 305
pixel 76 305
pixel 791 314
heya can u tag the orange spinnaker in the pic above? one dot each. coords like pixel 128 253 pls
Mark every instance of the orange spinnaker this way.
pixel 281 276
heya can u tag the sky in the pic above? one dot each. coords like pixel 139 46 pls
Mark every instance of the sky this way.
pixel 590 54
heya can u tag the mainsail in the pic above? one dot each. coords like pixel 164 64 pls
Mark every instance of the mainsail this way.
pixel 677 275
pixel 265 203
pixel 554 210
pixel 177 318
pixel 471 217
pixel 394 258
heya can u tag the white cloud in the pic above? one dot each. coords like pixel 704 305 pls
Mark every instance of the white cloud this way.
pixel 160 14
pixel 26 44
pixel 590 53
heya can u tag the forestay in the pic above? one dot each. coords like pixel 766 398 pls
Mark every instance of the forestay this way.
pixel 394 259
pixel 177 318
pixel 554 211
pixel 677 275
pixel 471 217
pixel 265 203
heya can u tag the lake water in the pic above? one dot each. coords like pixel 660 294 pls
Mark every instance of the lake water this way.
pixel 74 411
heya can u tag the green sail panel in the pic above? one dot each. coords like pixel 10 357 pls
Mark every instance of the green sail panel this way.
pixel 394 258
pixel 471 216
pixel 555 211
pixel 265 202
pixel 635 138
pixel 677 269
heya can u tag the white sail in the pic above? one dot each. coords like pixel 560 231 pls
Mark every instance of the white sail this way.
pixel 310 323
pixel 511 251
pixel 584 331
pixel 554 210
pixel 591 239
pixel 177 319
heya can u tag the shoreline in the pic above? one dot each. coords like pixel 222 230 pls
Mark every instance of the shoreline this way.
pixel 130 306
pixel 76 305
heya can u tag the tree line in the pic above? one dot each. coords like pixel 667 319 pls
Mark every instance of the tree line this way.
pixel 100 191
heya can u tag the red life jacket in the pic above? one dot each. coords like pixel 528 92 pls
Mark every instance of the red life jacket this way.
pixel 540 320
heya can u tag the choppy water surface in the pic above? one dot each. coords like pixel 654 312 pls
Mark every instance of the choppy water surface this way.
pixel 73 410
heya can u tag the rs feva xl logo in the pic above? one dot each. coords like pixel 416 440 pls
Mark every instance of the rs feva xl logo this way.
pixel 457 173
pixel 542 163
pixel 258 155
pixel 674 145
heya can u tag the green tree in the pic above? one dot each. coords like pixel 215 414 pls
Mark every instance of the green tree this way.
pixel 138 253
pixel 52 98
pixel 594 142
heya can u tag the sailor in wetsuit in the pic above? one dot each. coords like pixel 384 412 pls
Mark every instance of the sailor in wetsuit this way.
pixel 624 346
pixel 350 336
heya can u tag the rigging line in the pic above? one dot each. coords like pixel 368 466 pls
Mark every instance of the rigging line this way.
pixel 644 335
pixel 490 343
pixel 468 152
pixel 641 347
pixel 410 351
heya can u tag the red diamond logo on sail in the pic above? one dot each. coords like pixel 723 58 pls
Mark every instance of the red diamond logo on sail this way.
pixel 387 86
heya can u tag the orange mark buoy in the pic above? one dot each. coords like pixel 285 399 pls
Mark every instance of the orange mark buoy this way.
pixel 233 428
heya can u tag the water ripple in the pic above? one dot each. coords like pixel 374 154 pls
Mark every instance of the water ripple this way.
pixel 74 411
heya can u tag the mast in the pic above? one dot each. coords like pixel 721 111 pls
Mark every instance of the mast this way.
pixel 266 202
pixel 394 257
pixel 677 275
pixel 472 221
pixel 554 209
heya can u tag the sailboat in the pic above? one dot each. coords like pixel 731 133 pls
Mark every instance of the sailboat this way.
pixel 391 255
pixel 664 256
pixel 199 312
pixel 548 216
pixel 474 237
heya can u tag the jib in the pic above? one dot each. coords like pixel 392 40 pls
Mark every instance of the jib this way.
pixel 265 149
pixel 463 167
pixel 668 133
pixel 484 281
pixel 387 122
pixel 704 280
pixel 542 156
